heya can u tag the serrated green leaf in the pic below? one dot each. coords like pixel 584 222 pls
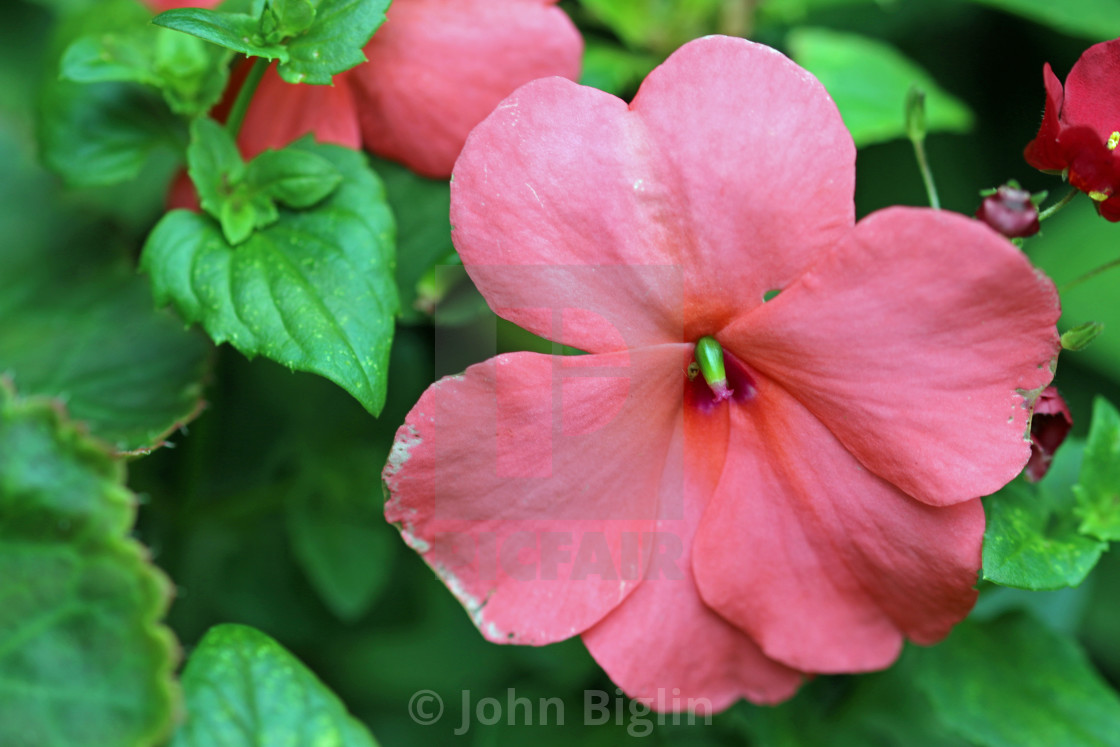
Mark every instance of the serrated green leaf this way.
pixel 104 133
pixel 1098 20
pixel 314 291
pixel 334 42
pixel 82 328
pixel 83 659
pixel 296 178
pixel 1032 541
pixel 243 689
pixel 870 81
pixel 1013 682
pixel 236 31
pixel 1098 488
pixel 337 527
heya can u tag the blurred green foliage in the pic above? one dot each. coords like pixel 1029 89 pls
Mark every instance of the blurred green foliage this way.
pixel 267 511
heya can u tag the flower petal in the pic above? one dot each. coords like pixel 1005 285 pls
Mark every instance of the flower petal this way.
pixel 725 178
pixel 663 643
pixel 1043 152
pixel 1089 98
pixel 824 564
pixel 282 112
pixel 919 342
pixel 531 484
pixel 438 67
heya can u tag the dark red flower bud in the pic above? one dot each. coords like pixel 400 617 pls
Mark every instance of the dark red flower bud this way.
pixel 1049 426
pixel 1010 211
pixel 1080 128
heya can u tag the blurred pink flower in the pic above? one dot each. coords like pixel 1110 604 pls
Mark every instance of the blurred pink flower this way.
pixel 710 550
pixel 436 68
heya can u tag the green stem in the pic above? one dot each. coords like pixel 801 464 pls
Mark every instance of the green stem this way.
pixel 927 175
pixel 1089 275
pixel 245 95
pixel 1057 205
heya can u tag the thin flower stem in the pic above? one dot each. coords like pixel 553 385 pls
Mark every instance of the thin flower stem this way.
pixel 927 175
pixel 1057 205
pixel 245 95
pixel 1089 275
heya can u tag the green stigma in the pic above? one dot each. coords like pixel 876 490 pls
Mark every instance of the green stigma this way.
pixel 709 354
pixel 1113 140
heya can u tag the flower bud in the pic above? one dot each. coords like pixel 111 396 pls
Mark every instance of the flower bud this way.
pixel 1050 425
pixel 1010 211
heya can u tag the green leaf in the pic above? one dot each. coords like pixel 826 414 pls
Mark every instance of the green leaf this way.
pixel 83 659
pixel 104 133
pixel 338 530
pixel 614 69
pixel 331 44
pixel 284 18
pixel 296 178
pixel 1013 682
pixel 314 291
pixel 421 207
pixel 1098 20
pixel 84 330
pixel 243 689
pixel 869 81
pixel 236 31
pixel 334 42
pixel 191 74
pixel 658 25
pixel 1081 336
pixel 1032 540
pixel 214 164
pixel 1098 489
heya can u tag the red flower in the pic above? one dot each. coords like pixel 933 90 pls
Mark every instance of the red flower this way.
pixel 1050 425
pixel 708 546
pixel 1081 127
pixel 436 68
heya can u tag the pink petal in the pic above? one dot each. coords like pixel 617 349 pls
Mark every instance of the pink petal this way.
pixel 824 564
pixel 663 643
pixel 1043 152
pixel 531 484
pixel 282 112
pixel 729 173
pixel 438 67
pixel 919 342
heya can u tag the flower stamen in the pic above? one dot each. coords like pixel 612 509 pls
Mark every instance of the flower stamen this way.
pixel 709 354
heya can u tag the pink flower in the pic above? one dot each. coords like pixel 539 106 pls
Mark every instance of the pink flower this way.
pixel 1081 127
pixel 436 69
pixel 1050 425
pixel 709 549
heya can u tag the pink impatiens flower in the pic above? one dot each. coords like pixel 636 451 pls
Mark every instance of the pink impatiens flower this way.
pixel 823 505
pixel 436 68
pixel 1080 128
